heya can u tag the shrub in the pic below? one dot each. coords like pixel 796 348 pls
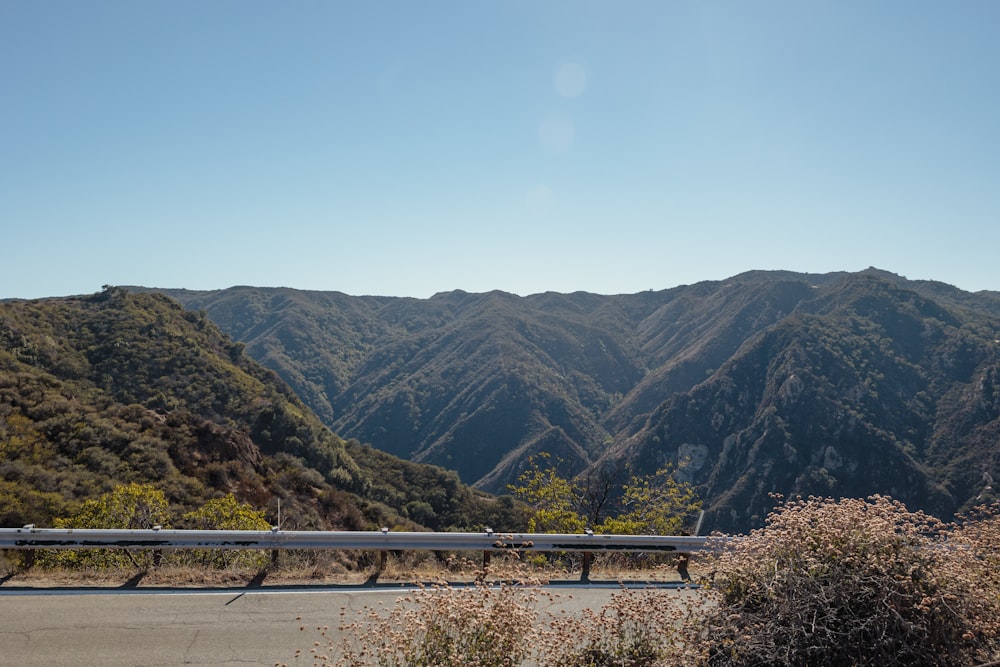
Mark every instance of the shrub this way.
pixel 637 628
pixel 656 504
pixel 979 532
pixel 133 506
pixel 226 513
pixel 513 622
pixel 852 582
pixel 439 627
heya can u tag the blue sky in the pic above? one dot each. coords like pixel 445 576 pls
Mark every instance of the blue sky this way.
pixel 407 148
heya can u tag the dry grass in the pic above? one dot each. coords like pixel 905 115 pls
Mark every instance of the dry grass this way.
pixel 319 568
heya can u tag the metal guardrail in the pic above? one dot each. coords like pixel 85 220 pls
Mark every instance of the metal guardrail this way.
pixel 30 537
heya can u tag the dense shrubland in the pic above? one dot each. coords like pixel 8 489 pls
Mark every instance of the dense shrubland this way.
pixel 118 388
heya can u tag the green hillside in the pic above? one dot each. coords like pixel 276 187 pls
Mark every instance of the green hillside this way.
pixel 116 387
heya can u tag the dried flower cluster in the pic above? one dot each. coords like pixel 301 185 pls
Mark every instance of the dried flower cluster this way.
pixel 856 582
pixel 441 626
pixel 637 628
pixel 506 622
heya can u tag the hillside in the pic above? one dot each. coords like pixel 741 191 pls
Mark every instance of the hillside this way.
pixel 871 386
pixel 841 384
pixel 114 388
pixel 471 382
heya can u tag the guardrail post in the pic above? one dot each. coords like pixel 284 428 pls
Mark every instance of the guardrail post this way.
pixel 486 561
pixel 588 558
pixel 683 560
pixel 372 579
pixel 29 559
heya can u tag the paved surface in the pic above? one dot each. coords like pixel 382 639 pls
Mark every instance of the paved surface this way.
pixel 84 627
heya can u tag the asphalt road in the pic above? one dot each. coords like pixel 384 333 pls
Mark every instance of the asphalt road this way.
pixel 83 627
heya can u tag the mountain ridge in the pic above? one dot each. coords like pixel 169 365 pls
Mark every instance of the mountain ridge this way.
pixel 118 387
pixel 478 383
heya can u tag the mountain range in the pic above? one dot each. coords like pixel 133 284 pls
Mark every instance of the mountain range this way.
pixel 839 384
pixel 114 388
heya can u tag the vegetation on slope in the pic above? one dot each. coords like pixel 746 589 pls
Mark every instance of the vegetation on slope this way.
pixel 868 388
pixel 120 388
pixel 470 382
pixel 843 384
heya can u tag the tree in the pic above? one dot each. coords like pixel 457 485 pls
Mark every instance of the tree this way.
pixel 554 499
pixel 112 293
pixel 132 506
pixel 598 486
pixel 226 513
pixel 656 504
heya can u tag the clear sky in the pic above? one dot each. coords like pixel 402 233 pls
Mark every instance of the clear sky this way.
pixel 411 147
